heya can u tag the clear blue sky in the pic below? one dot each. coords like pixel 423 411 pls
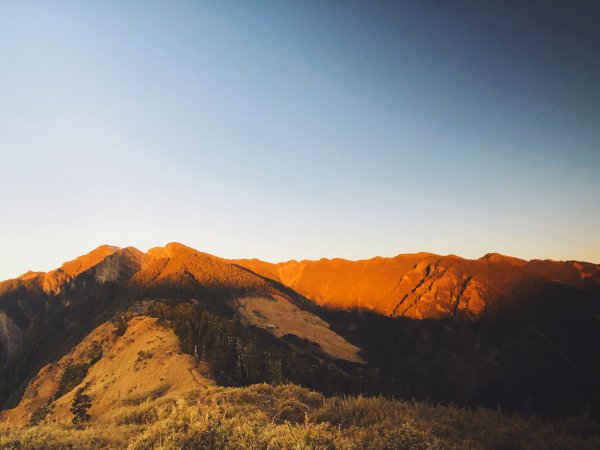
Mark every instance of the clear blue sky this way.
pixel 290 130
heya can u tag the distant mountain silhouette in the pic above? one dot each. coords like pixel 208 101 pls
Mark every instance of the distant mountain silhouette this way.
pixel 496 330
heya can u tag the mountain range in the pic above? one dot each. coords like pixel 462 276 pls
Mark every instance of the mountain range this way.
pixel 117 322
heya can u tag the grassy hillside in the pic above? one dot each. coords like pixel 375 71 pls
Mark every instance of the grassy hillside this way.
pixel 290 417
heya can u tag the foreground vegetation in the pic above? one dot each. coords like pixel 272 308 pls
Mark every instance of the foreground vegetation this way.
pixel 289 417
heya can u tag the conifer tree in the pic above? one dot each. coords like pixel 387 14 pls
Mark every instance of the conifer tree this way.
pixel 79 407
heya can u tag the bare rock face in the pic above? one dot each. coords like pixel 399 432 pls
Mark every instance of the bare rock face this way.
pixel 10 334
pixel 433 291
pixel 119 265
pixel 53 281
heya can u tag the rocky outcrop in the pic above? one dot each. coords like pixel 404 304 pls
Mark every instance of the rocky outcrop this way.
pixel 10 334
pixel 53 281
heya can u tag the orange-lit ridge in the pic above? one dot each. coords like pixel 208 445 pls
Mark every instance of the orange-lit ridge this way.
pixel 420 285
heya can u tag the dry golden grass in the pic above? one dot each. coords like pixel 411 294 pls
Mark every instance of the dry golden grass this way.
pixel 290 417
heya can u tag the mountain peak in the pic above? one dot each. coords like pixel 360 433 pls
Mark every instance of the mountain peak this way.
pixel 177 245
pixel 169 250
pixel 84 262
pixel 53 280
pixel 30 275
pixel 498 257
pixel 75 266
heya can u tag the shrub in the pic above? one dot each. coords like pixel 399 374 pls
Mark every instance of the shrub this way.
pixel 40 414
pixel 138 415
pixel 146 396
pixel 291 411
pixel 406 436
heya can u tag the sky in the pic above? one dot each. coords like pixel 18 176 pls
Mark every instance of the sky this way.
pixel 299 130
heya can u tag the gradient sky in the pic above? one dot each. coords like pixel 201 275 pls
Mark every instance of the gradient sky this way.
pixel 290 130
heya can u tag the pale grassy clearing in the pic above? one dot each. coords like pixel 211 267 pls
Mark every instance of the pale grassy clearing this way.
pixel 279 316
